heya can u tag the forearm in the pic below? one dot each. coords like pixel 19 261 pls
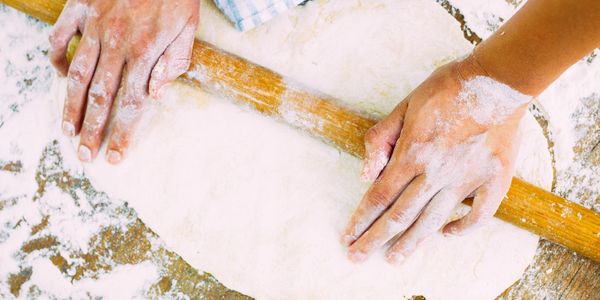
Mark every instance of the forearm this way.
pixel 540 42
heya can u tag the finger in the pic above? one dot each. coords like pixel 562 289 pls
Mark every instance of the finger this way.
pixel 79 76
pixel 395 220
pixel 486 202
pixel 174 61
pixel 380 141
pixel 130 105
pixel 382 193
pixel 101 94
pixel 432 218
pixel 65 28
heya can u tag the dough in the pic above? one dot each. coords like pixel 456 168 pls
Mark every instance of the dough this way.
pixel 261 205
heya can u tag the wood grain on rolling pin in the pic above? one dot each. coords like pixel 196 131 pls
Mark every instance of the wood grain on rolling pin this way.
pixel 232 77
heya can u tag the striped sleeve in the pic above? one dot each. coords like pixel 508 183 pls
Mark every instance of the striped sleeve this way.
pixel 247 14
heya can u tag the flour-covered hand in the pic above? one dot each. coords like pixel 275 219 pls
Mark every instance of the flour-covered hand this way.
pixel 129 48
pixel 455 135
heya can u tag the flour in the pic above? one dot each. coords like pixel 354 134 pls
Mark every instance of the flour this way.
pixel 119 284
pixel 471 157
pixel 261 205
pixel 488 101
pixel 378 161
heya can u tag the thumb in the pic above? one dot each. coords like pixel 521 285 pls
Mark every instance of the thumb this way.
pixel 174 62
pixel 380 141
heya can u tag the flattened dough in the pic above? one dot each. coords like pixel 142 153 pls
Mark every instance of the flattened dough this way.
pixel 260 205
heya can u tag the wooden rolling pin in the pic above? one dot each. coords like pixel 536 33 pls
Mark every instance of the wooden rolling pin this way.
pixel 224 74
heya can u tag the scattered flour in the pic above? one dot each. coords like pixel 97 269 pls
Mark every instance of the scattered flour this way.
pixel 121 283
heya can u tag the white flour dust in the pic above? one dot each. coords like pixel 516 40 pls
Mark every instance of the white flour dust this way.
pixel 472 157
pixel 488 101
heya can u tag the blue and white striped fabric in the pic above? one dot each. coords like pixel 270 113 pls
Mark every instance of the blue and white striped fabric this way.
pixel 247 14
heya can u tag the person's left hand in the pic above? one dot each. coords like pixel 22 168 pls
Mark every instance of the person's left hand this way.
pixel 145 43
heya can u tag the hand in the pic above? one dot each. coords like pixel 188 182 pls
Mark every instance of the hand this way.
pixel 455 135
pixel 130 48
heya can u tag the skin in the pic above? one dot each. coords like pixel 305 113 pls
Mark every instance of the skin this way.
pixel 410 200
pixel 129 49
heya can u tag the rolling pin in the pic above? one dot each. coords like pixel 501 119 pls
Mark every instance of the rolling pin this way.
pixel 228 76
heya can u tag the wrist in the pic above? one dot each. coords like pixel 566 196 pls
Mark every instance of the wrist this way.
pixel 503 69
pixel 469 67
pixel 490 100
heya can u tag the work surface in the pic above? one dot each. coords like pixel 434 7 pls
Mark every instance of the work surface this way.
pixel 109 242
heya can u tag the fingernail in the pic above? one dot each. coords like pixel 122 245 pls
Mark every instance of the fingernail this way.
pixel 84 153
pixel 113 156
pixel 357 256
pixel 68 129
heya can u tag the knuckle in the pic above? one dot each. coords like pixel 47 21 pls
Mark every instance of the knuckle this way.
pixel 143 48
pixel 399 216
pixel 119 140
pixel 71 112
pixel 75 79
pixel 77 72
pixel 135 89
pixel 96 118
pixel 372 134
pixel 114 33
pixel 433 220
pixel 131 104
pixel 135 96
pixel 378 198
pixel 98 93
pixel 97 101
pixel 129 111
pixel 117 26
pixel 56 41
pixel 91 129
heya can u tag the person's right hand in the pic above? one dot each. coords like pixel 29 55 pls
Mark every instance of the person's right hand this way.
pixel 455 135
pixel 129 48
